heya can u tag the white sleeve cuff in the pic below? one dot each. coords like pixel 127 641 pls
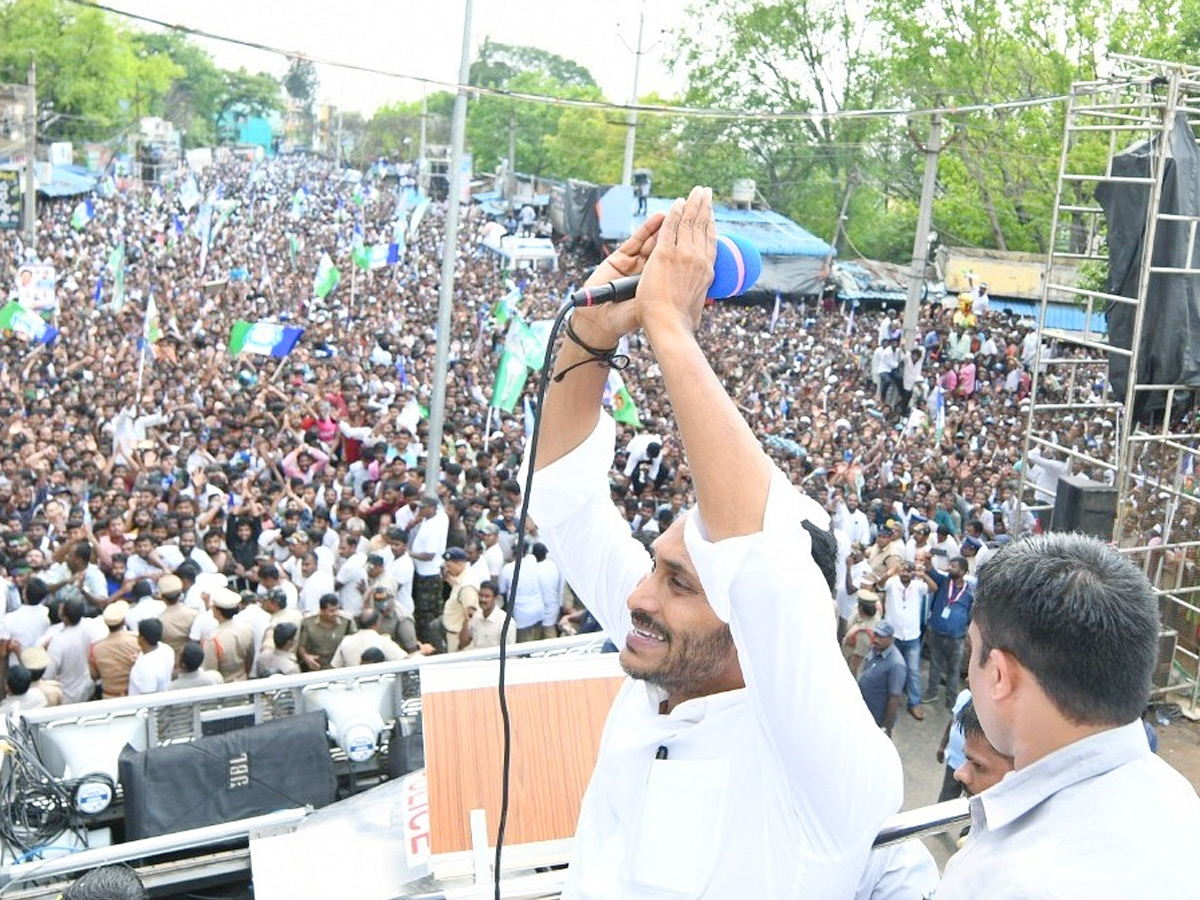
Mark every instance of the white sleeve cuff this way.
pixel 719 563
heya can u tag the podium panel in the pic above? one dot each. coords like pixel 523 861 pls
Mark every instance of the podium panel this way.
pixel 557 708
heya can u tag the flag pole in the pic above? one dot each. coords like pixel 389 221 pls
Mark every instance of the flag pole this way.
pixel 141 370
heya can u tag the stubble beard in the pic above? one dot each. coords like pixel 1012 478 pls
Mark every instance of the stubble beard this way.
pixel 690 660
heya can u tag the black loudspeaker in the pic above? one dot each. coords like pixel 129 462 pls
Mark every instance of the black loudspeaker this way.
pixel 248 772
pixel 1086 506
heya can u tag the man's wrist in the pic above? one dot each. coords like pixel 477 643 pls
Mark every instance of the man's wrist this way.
pixel 592 332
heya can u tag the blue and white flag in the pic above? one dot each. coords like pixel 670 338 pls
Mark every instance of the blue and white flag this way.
pixel 83 213
pixel 19 320
pixel 263 338
pixel 189 194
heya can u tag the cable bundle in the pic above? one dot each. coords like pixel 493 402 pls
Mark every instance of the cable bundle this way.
pixel 35 806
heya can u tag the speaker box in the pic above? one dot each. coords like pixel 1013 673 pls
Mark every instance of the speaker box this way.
pixel 1086 506
pixel 247 772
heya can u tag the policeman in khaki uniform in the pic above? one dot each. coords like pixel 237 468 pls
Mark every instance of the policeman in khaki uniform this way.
pixel 177 618
pixel 113 656
pixel 463 599
pixel 230 650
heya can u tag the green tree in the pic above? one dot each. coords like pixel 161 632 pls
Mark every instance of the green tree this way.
pixel 798 56
pixel 255 94
pixel 998 178
pixel 192 101
pixel 94 76
pixel 496 65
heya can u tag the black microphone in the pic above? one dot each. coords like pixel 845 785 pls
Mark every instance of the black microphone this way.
pixel 735 270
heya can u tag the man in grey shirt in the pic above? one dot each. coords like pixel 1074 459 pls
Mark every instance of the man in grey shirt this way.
pixel 1064 639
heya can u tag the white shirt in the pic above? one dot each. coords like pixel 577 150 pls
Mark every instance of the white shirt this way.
pixel 549 581
pixel 349 652
pixel 905 606
pixel 1093 819
pixel 485 630
pixel 904 871
pixel 855 524
pixel 26 624
pixel 636 448
pixel 401 571
pixel 146 608
pixel 755 800
pixel 430 538
pixel 151 671
pixel 526 606
pixel 352 571
pixel 317 585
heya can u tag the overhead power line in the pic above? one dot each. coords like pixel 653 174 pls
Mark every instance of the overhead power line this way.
pixel 693 112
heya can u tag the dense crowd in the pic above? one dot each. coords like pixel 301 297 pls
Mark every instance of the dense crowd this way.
pixel 241 516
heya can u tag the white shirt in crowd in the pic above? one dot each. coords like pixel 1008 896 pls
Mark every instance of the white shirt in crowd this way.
pixel 430 538
pixel 151 671
pixel 905 606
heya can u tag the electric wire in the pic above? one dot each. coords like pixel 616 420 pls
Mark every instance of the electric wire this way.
pixel 518 557
pixel 694 112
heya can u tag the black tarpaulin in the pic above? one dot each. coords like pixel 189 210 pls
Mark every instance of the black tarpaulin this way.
pixel 1169 352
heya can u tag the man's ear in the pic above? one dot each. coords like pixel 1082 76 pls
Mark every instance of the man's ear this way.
pixel 1001 675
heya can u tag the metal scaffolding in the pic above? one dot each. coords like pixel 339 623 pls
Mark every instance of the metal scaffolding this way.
pixel 1076 423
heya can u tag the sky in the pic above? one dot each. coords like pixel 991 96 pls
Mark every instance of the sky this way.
pixel 425 38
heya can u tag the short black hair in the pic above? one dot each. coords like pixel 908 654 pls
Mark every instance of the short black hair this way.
pixel 284 632
pixel 72 611
pixel 372 655
pixel 150 630
pixel 368 617
pixel 1079 616
pixel 107 883
pixel 19 679
pixel 968 721
pixel 191 657
pixel 328 600
pixel 824 552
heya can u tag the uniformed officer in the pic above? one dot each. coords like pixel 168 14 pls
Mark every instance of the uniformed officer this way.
pixel 230 650
pixel 321 633
pixel 113 656
pixel 177 618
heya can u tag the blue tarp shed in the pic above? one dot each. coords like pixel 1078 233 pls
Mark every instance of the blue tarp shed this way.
pixel 68 181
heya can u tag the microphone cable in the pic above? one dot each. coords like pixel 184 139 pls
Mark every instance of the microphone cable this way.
pixel 518 557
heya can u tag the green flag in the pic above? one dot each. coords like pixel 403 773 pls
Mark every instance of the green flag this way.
pixel 506 307
pixel 526 343
pixel 327 276
pixel 616 395
pixel 511 373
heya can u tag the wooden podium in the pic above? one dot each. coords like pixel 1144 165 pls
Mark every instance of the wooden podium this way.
pixel 557 707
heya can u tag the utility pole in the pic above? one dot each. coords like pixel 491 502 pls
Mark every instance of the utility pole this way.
pixel 512 143
pixel 339 135
pixel 437 404
pixel 631 130
pixel 31 155
pixel 420 147
pixel 839 227
pixel 916 278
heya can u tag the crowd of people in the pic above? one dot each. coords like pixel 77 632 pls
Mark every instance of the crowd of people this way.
pixel 175 515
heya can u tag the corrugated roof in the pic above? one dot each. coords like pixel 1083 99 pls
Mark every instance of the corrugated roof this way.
pixel 771 233
pixel 1061 316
